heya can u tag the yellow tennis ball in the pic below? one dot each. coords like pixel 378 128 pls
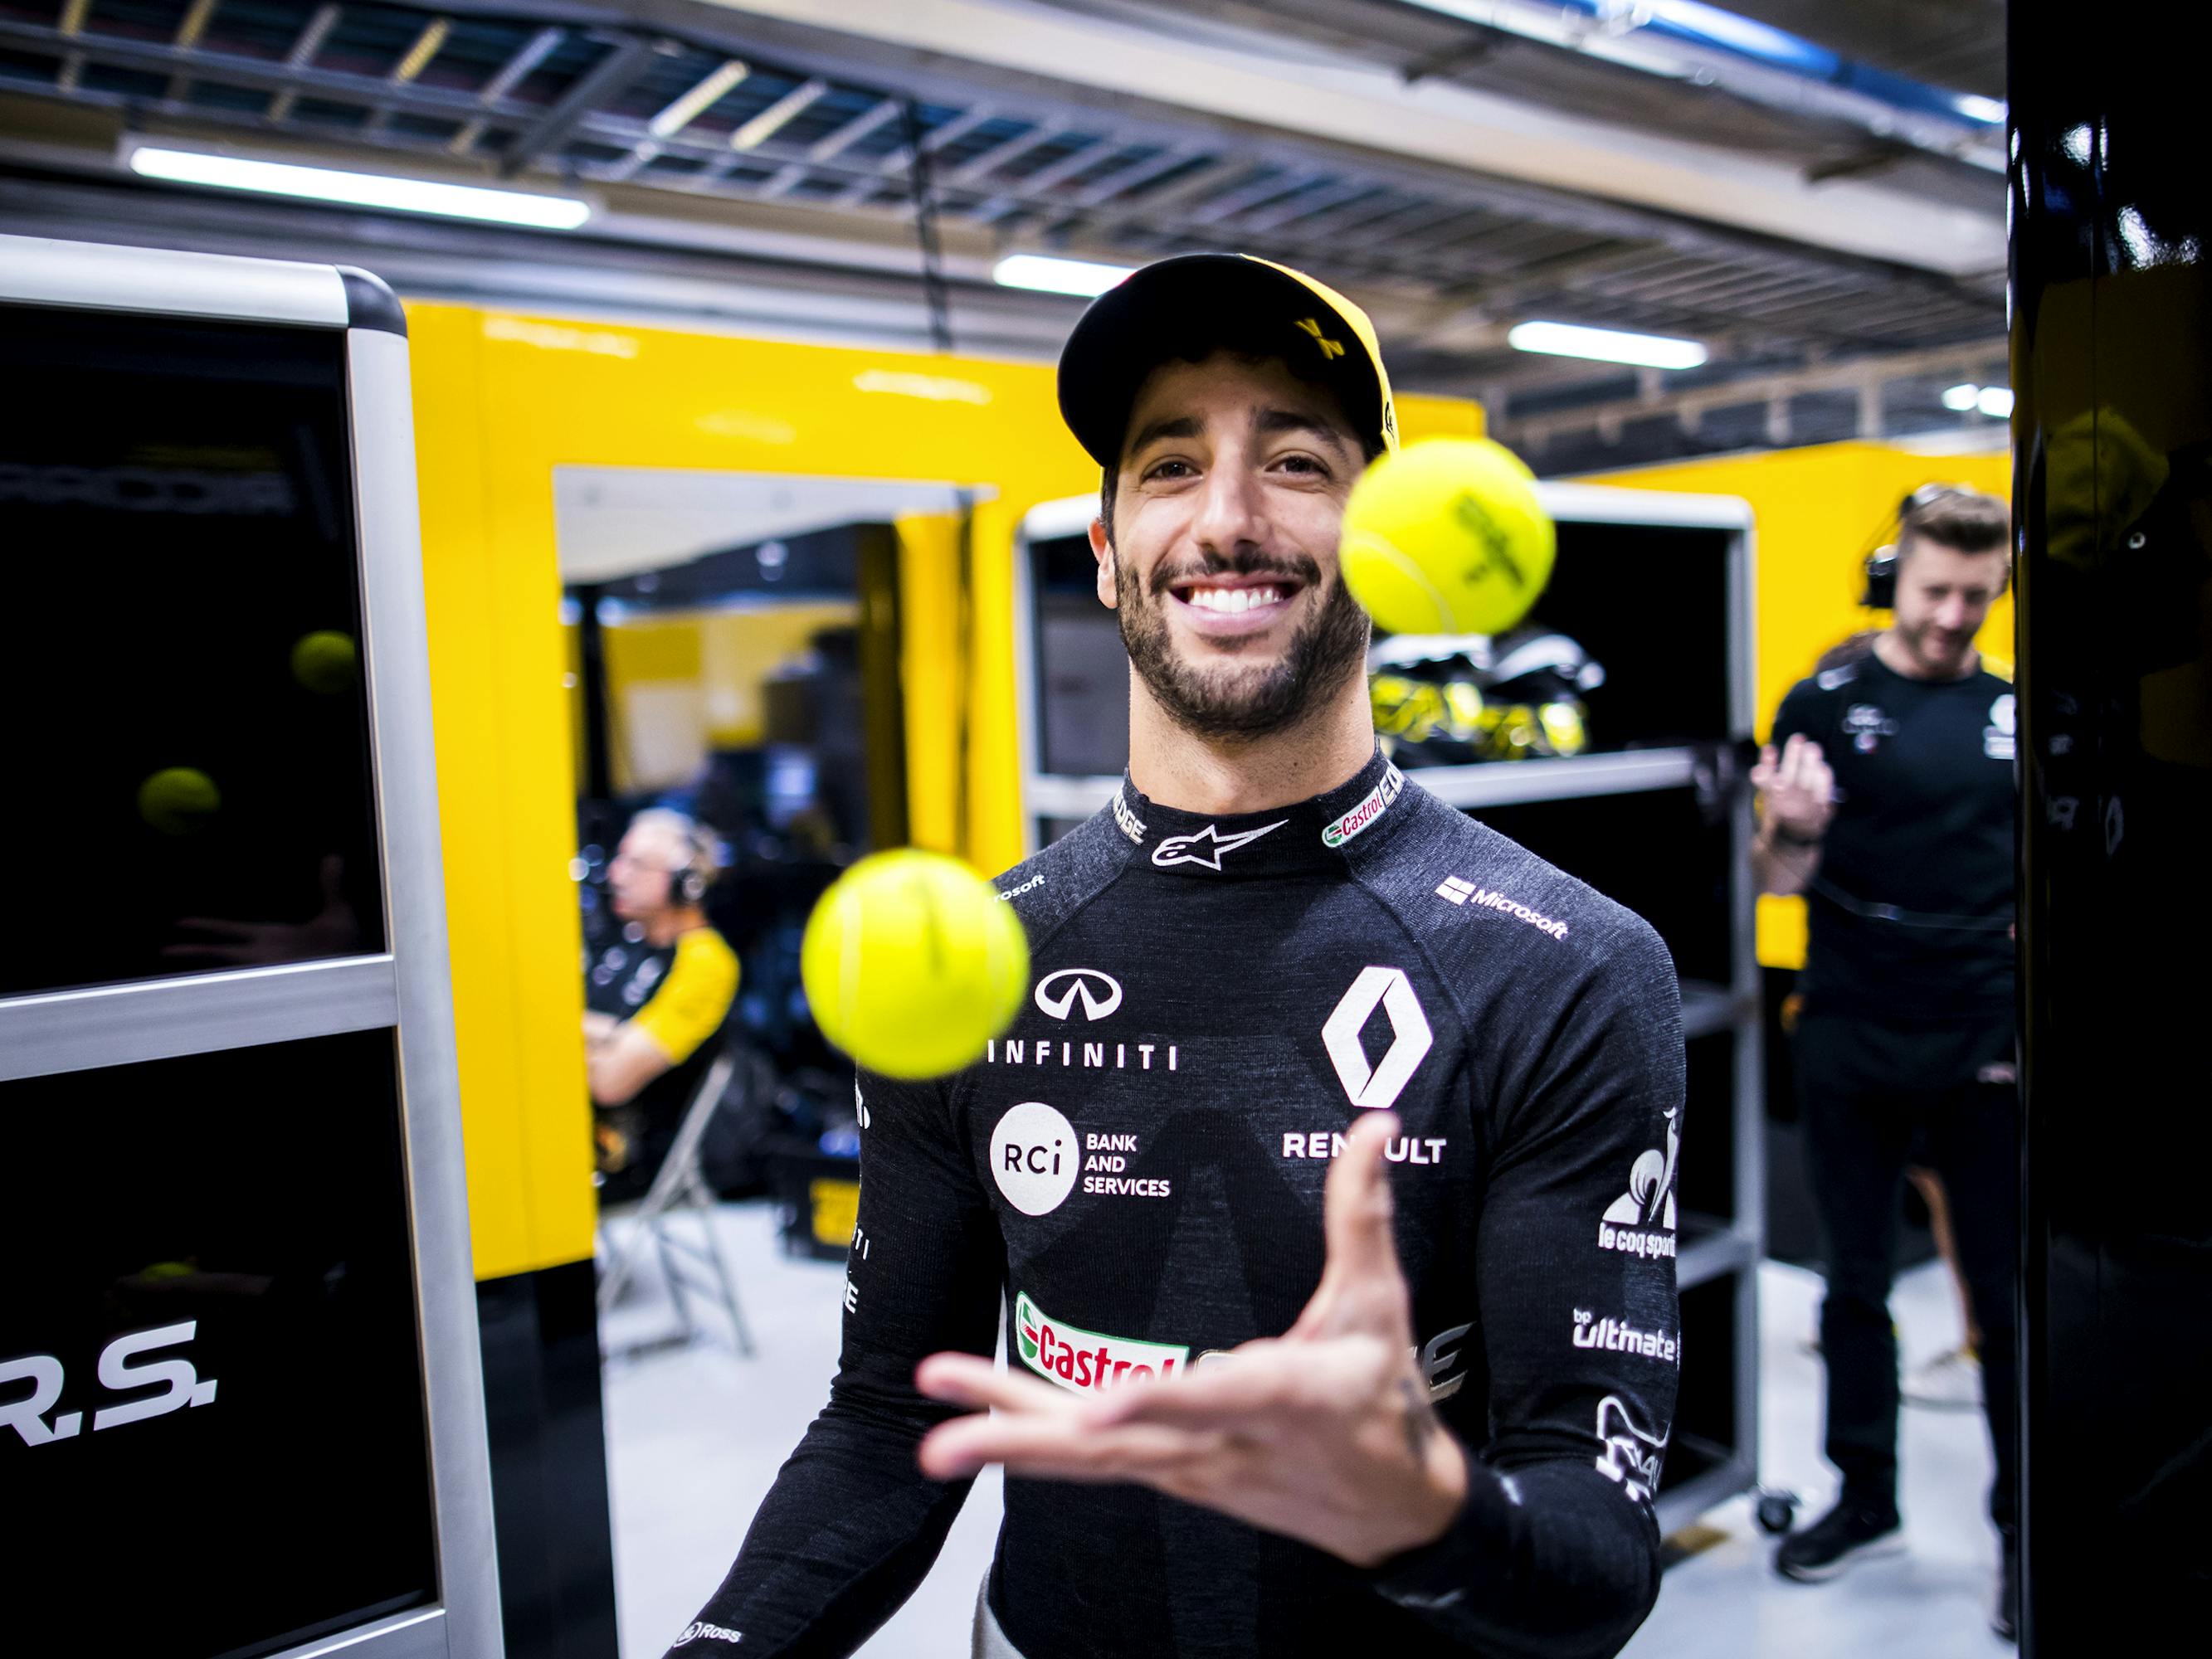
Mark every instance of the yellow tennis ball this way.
pixel 325 661
pixel 912 963
pixel 179 799
pixel 1447 537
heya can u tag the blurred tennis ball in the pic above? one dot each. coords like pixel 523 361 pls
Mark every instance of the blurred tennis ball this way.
pixel 912 963
pixel 1447 537
pixel 179 799
pixel 326 662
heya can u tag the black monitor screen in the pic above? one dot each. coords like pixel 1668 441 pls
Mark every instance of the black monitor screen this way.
pixel 212 1437
pixel 184 769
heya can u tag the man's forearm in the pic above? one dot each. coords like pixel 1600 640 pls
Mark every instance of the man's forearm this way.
pixel 1547 1563
pixel 1782 864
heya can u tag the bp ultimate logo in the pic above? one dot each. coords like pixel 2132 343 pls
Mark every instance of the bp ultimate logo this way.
pixel 1087 1362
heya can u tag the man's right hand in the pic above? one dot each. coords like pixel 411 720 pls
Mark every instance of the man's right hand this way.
pixel 1796 789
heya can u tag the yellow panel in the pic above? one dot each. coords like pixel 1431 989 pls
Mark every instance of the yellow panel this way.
pixel 1420 416
pixel 742 647
pixel 502 399
pixel 1781 932
pixel 1819 511
pixel 930 676
pixel 462 600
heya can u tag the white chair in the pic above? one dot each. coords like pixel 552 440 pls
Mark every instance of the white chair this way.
pixel 678 1186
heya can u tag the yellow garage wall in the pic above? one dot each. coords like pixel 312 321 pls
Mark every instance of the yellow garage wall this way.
pixel 1817 510
pixel 930 677
pixel 504 397
pixel 720 657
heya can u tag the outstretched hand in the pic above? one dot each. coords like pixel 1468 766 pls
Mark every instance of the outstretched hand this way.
pixel 1324 1434
pixel 1796 787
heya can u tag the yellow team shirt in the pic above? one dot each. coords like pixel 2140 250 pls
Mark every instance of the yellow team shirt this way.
pixel 695 998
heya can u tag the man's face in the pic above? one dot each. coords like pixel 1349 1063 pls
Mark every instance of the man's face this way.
pixel 1222 560
pixel 639 884
pixel 1943 597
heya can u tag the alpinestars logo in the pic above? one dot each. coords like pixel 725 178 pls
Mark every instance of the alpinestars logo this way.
pixel 700 1631
pixel 1630 1455
pixel 1375 804
pixel 1377 1085
pixel 1101 993
pixel 1087 1362
pixel 1207 846
pixel 1641 1221
pixel 1124 816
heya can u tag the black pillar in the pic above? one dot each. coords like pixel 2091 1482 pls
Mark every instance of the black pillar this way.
pixel 2111 355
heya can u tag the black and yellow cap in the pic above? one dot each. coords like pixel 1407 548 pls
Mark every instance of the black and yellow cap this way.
pixel 1187 306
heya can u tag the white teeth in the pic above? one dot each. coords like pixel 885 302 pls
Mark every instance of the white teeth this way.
pixel 1232 599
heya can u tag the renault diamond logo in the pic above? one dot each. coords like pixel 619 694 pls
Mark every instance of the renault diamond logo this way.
pixel 1206 847
pixel 1101 993
pixel 1376 1087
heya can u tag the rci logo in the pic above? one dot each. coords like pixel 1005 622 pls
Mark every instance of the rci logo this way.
pixel 1034 1158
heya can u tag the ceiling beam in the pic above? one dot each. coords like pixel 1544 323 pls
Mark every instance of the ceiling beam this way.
pixel 621 67
pixel 1431 122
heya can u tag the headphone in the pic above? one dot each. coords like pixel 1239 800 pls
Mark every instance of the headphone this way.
pixel 688 882
pixel 1881 592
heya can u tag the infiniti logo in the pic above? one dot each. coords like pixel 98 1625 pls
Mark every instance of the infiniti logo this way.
pixel 1101 993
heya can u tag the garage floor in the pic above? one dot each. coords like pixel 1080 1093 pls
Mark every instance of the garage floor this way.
pixel 695 1436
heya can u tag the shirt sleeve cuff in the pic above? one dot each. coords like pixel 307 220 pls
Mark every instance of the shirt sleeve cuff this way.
pixel 1443 1572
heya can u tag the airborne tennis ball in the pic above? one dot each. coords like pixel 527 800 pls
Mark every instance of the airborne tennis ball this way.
pixel 1447 537
pixel 179 799
pixel 325 661
pixel 912 963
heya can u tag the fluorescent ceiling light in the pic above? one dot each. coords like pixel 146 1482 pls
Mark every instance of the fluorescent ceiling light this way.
pixel 688 108
pixel 1049 275
pixel 1605 345
pixel 1975 107
pixel 1961 398
pixel 371 190
pixel 1995 402
pixel 772 121
pixel 1740 33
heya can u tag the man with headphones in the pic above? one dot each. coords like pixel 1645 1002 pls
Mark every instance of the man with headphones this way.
pixel 654 998
pixel 1887 798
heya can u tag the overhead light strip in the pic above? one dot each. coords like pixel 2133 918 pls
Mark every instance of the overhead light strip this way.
pixel 1605 345
pixel 695 103
pixel 368 190
pixel 1085 278
pixel 1612 29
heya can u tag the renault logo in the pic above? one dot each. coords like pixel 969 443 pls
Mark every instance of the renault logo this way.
pixel 1373 1087
pixel 1101 993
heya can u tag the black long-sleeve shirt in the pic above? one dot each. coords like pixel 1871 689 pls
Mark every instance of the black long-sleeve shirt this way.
pixel 1134 1172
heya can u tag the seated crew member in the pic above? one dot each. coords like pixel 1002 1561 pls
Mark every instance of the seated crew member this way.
pixel 1888 797
pixel 653 1000
pixel 1334 1221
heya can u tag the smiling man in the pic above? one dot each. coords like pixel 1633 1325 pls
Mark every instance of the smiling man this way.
pixel 1326 1181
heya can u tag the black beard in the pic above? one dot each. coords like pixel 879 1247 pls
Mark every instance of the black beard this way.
pixel 1232 702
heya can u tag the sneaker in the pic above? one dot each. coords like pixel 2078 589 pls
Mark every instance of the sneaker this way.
pixel 2005 1620
pixel 1949 1383
pixel 1845 1534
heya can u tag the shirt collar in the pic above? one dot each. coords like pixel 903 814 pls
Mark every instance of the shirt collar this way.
pixel 1311 835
